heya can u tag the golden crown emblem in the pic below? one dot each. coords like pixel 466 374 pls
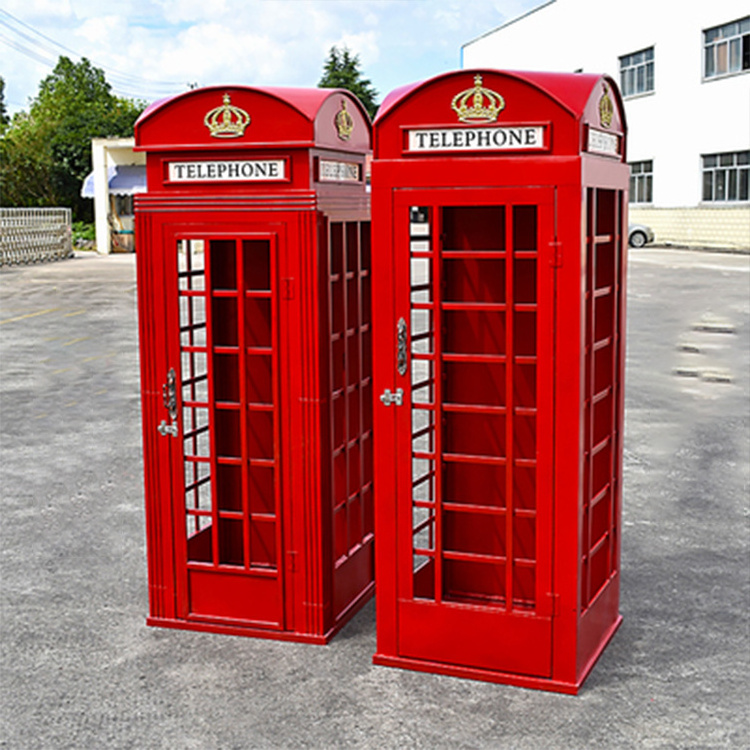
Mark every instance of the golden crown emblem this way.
pixel 226 121
pixel 344 122
pixel 606 108
pixel 485 106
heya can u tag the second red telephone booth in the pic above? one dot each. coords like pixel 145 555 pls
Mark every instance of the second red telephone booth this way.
pixel 499 230
pixel 254 304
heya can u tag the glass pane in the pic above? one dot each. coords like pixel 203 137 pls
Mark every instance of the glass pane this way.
pixel 743 184
pixel 710 66
pixel 734 54
pixel 732 185
pixel 721 57
pixel 720 183
pixel 708 193
pixel 641 79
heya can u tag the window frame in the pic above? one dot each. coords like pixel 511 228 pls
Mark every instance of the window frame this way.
pixel 726 173
pixel 628 67
pixel 641 182
pixel 742 38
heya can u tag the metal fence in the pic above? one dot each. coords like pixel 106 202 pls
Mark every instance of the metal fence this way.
pixel 30 235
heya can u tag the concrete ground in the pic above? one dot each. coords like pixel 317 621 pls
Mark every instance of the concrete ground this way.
pixel 80 669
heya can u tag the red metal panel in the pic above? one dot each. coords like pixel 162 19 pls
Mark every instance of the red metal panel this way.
pixel 475 637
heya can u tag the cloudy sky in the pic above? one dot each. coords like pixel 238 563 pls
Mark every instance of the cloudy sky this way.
pixel 150 49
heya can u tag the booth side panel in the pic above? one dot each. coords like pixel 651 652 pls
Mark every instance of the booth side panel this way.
pixel 606 232
pixel 568 431
pixel 302 510
pixel 350 412
pixel 159 531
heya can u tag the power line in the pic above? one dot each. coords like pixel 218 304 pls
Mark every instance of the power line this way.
pixel 41 52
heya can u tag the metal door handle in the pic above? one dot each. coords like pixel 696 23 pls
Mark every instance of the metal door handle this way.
pixel 401 360
pixel 168 429
pixel 169 396
pixel 389 398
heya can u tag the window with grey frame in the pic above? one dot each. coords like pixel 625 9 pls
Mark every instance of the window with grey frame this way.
pixel 726 177
pixel 641 181
pixel 726 49
pixel 637 72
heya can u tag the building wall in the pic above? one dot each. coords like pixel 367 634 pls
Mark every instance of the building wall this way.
pixel 105 153
pixel 683 118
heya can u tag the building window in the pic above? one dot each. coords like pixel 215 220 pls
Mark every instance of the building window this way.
pixel 641 181
pixel 637 72
pixel 726 49
pixel 726 176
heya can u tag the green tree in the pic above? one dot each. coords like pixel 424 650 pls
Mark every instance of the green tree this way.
pixel 4 120
pixel 341 71
pixel 46 154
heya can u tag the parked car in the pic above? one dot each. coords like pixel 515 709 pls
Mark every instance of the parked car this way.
pixel 639 235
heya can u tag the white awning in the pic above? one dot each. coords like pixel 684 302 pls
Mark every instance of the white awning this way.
pixel 125 179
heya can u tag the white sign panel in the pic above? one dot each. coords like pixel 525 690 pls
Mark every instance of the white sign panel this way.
pixel 510 138
pixel 603 143
pixel 255 170
pixel 338 171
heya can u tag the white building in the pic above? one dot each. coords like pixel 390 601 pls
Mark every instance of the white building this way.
pixel 684 71
pixel 118 173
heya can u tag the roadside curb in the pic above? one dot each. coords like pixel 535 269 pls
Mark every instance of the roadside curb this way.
pixel 695 248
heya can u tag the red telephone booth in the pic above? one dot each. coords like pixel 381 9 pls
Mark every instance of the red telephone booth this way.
pixel 254 307
pixel 500 224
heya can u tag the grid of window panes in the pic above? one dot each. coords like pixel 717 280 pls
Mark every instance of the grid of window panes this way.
pixel 726 177
pixel 637 72
pixel 641 181
pixel 727 48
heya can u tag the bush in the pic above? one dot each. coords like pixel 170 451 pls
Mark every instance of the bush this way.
pixel 83 232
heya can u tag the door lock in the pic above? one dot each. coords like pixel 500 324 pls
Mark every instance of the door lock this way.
pixel 169 396
pixel 389 398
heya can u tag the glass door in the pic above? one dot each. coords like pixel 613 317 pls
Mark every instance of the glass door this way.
pixel 474 289
pixel 226 488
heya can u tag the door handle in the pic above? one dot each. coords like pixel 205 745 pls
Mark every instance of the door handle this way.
pixel 402 363
pixel 169 396
pixel 389 398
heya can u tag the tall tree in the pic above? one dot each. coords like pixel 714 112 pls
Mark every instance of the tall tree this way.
pixel 341 71
pixel 4 120
pixel 46 154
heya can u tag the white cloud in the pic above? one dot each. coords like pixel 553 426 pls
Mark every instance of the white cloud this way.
pixel 33 10
pixel 272 42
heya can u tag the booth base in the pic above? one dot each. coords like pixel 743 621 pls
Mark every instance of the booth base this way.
pixel 503 678
pixel 253 631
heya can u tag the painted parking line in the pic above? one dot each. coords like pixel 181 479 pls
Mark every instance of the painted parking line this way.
pixel 76 341
pixel 29 315
pixel 99 356
pixel 76 312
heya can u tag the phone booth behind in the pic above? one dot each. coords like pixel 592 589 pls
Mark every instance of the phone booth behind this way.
pixel 499 223
pixel 254 307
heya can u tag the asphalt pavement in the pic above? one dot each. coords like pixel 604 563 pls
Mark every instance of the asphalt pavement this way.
pixel 79 668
